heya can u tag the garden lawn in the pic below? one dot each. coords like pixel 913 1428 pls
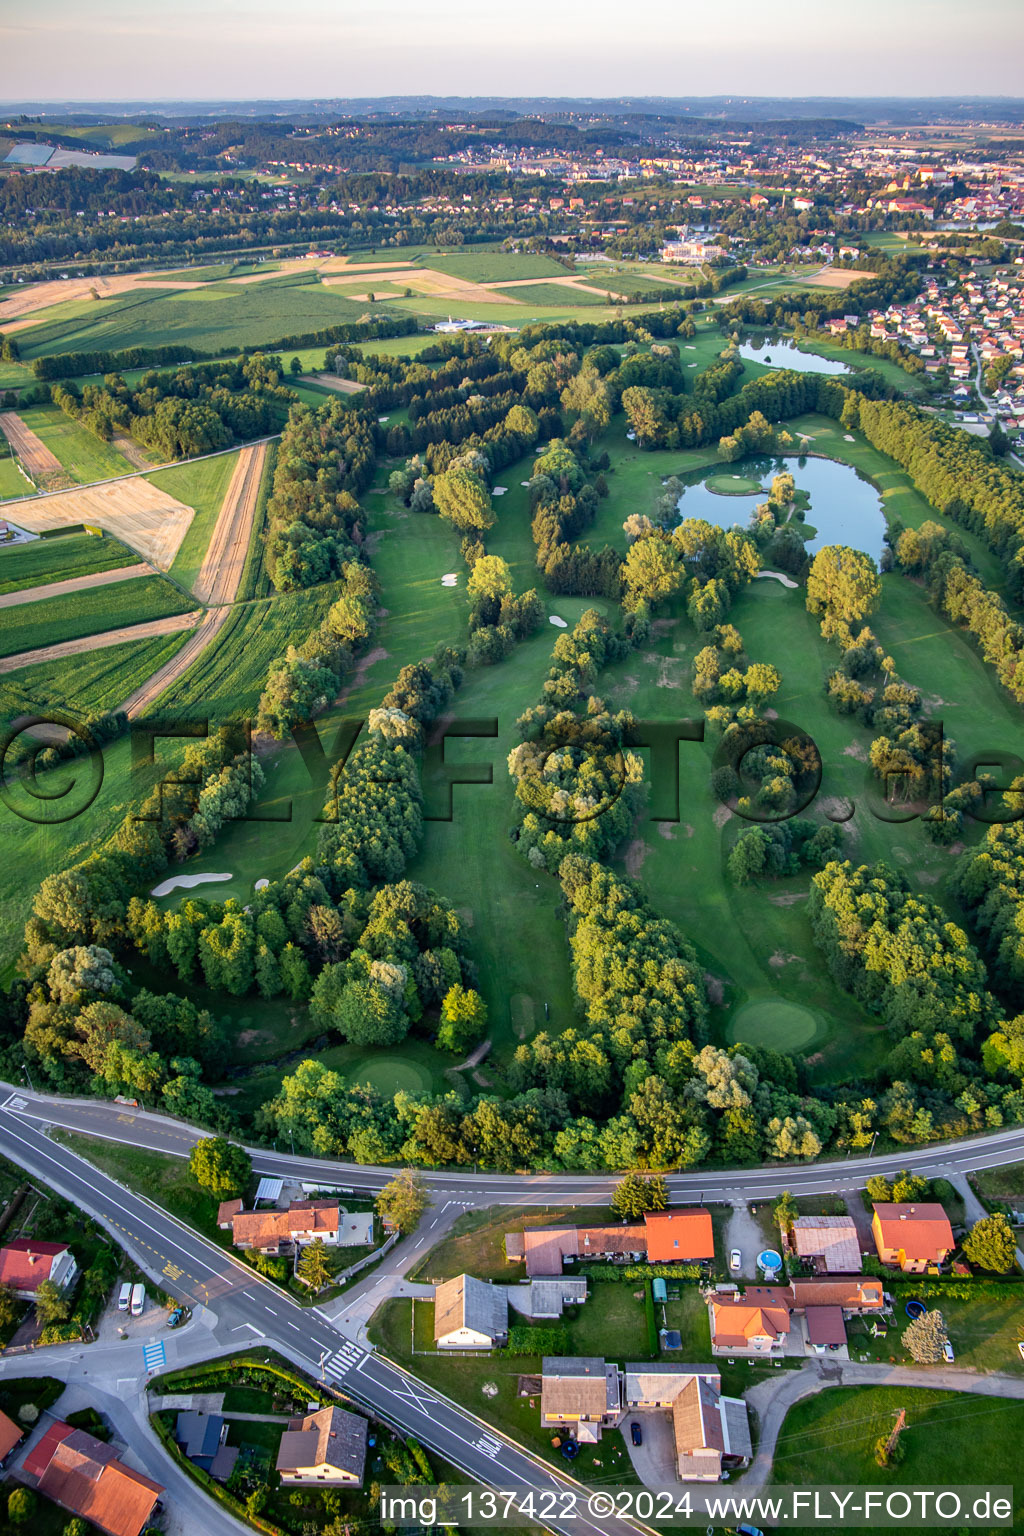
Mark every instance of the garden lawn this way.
pixel 84 456
pixel 475 1243
pixel 1001 1183
pixel 90 612
pixel 983 1331
pixel 830 1438
pixel 611 1322
pixel 48 560
pixel 203 486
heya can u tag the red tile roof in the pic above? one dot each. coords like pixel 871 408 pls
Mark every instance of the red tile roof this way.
pixel 922 1232
pixel 10 1434
pixel 85 1476
pixel 679 1236
pixel 25 1264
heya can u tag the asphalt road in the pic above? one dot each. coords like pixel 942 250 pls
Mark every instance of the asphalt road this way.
pixel 158 1133
pixel 253 1310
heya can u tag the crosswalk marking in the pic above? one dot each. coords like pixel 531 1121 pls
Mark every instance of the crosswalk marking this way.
pixel 342 1361
pixel 154 1355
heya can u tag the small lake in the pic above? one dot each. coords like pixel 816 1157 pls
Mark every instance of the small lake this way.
pixel 845 508
pixel 786 354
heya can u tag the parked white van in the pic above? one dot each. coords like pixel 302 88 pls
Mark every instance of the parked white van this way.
pixel 124 1298
pixel 138 1300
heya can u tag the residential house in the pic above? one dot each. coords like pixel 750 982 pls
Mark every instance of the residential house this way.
pixel 753 1324
pixel 828 1242
pixel 86 1478
pixel 711 1432
pixel 301 1223
pixel 469 1314
pixel 548 1296
pixel 544 1249
pixel 581 1393
pixel 679 1237
pixel 913 1238
pixel 201 1437
pixel 858 1297
pixel 328 1446
pixel 25 1264
pixel 10 1435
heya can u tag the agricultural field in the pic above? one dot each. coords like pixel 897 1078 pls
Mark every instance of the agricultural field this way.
pixel 201 485
pixel 216 317
pixel 48 560
pixel 98 681
pixel 83 456
pixel 490 264
pixel 56 620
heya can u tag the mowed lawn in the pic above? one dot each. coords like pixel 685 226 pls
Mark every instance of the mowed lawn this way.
pixel 949 1439
pixel 84 456
pixel 203 486
pixel 49 560
pixel 12 481
pixel 57 619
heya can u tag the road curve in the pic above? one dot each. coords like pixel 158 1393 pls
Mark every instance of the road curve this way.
pixel 161 1133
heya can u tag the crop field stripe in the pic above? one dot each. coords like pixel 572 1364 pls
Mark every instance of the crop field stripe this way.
pixel 221 570
pixel 74 584
pixel 77 554
pixel 205 633
pixel 35 457
pixel 57 621
pixel 99 642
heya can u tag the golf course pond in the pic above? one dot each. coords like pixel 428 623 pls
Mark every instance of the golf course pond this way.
pixel 786 354
pixel 845 508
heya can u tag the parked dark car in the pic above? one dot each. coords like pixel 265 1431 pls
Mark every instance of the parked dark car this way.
pixel 636 1434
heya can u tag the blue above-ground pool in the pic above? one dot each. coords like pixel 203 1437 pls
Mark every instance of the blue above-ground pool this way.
pixel 915 1309
pixel 769 1259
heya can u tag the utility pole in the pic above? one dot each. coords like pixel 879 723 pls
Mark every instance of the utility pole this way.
pixel 891 1443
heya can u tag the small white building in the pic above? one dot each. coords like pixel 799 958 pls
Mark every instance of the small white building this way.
pixel 469 1314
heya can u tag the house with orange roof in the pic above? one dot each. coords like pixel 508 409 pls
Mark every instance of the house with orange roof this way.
pixel 914 1238
pixel 755 1323
pixel 679 1237
pixel 302 1222
pixel 86 1477
pixel 26 1263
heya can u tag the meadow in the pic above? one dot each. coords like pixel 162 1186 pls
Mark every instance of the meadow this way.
pixel 12 481
pixel 83 455
pixel 55 620
pixel 490 264
pixel 49 560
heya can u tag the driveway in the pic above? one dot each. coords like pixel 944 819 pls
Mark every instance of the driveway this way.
pixel 654 1462
pixel 743 1233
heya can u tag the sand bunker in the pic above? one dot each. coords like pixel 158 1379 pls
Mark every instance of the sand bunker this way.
pixel 186 883
pixel 557 622
pixel 451 580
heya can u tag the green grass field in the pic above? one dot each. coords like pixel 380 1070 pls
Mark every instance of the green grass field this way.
pixel 775 1023
pixel 830 1438
pixel 490 264
pixel 202 485
pixel 218 316
pixel 49 560
pixel 554 293
pixel 57 619
pixel 97 681
pixel 84 456
pixel 13 481
pixel 732 485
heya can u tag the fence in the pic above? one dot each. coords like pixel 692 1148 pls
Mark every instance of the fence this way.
pixel 371 1258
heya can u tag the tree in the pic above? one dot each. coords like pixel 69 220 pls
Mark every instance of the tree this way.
pixel 314 1267
pixel 588 396
pixel 490 577
pixel 786 1212
pixel 463 1019
pixel 220 1167
pixel 296 366
pixel 992 1245
pixel 9 1307
pixel 637 1193
pixel 463 498
pixel 21 1505
pixel 843 584
pixel 402 1202
pixel 879 1189
pixel 925 1337
pixel 51 1306
pixel 651 572
pixel 907 1187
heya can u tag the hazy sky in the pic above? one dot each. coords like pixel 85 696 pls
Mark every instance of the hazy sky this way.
pixel 191 49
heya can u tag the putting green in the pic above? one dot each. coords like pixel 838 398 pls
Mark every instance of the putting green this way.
pixel 733 485
pixel 772 1022
pixel 388 1074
